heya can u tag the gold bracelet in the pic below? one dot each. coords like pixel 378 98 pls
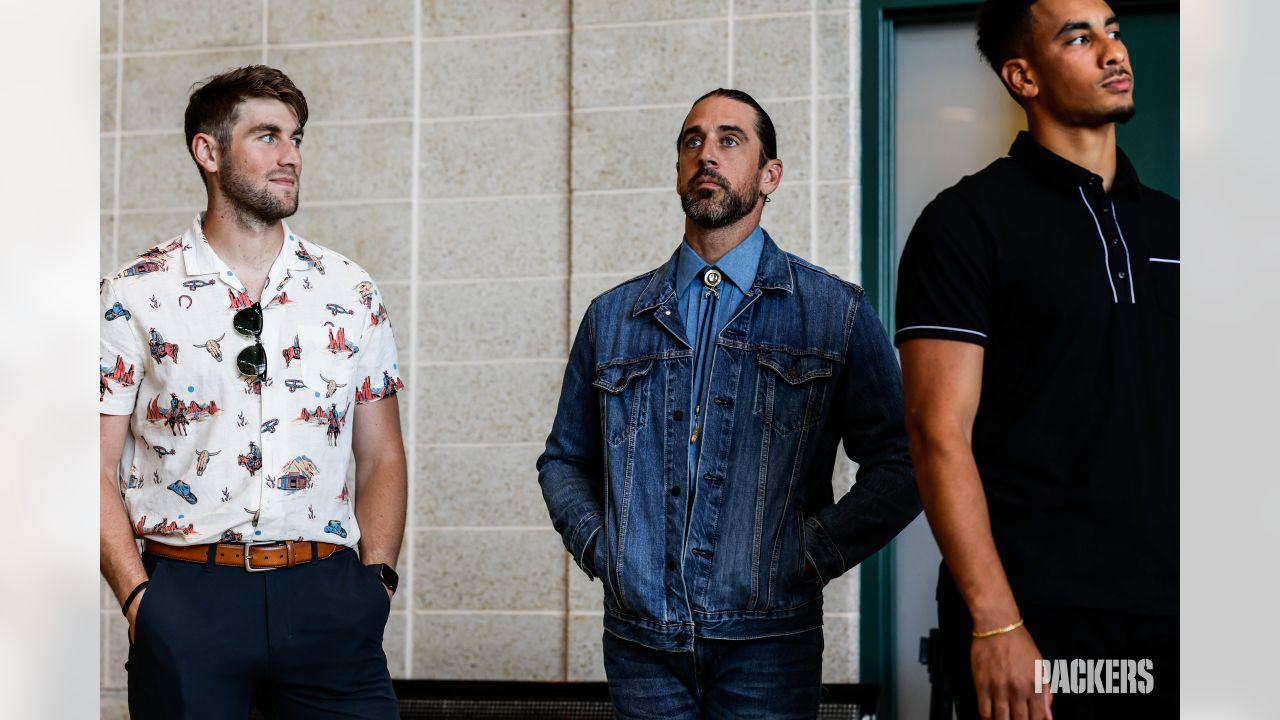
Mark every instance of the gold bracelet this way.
pixel 998 631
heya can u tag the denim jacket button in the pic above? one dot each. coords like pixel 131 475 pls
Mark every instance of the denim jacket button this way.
pixel 671 565
pixel 675 490
pixel 677 415
pixel 681 637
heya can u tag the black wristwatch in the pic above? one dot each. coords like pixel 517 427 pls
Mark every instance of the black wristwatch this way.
pixel 388 576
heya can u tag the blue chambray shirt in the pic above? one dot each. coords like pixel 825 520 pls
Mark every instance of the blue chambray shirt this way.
pixel 739 267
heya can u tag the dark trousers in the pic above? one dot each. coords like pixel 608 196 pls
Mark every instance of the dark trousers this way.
pixel 302 642
pixel 779 678
pixel 1068 633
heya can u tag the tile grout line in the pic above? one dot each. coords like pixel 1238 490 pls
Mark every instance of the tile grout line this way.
pixel 512 34
pixel 605 109
pixel 729 81
pixel 853 208
pixel 266 15
pixel 568 316
pixel 814 142
pixel 118 152
pixel 491 363
pixel 415 208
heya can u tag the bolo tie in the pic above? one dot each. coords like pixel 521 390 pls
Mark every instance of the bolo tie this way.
pixel 706 332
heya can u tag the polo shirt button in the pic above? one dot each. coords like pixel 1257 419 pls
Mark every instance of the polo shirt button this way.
pixel 677 415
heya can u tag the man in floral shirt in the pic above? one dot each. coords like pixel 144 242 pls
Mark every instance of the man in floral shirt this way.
pixel 242 367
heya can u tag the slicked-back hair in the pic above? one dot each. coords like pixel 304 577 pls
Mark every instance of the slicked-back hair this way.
pixel 764 124
pixel 213 107
pixel 1004 27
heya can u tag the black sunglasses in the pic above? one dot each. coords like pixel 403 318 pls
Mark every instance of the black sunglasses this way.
pixel 252 360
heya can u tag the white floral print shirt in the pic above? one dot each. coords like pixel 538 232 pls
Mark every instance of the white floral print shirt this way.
pixel 214 457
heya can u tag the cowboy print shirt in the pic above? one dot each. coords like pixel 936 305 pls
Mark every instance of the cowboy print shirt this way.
pixel 214 456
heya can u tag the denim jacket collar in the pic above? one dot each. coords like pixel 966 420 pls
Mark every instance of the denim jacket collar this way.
pixel 774 273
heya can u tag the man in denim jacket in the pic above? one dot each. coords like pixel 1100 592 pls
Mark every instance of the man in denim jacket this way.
pixel 690 463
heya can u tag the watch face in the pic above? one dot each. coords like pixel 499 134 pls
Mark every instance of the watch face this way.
pixel 389 577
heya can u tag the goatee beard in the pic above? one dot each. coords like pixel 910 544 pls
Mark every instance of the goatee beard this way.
pixel 706 212
pixel 254 204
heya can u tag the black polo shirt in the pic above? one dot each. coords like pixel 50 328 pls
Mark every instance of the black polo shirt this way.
pixel 1073 293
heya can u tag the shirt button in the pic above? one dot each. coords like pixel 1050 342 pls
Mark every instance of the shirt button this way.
pixel 675 490
pixel 677 415
pixel 1120 275
pixel 1115 241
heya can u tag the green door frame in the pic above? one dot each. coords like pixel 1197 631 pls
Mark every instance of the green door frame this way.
pixel 879 19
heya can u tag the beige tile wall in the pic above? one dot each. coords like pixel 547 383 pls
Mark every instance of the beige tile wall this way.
pixel 495 164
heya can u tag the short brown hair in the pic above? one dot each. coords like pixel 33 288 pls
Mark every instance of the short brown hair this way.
pixel 213 107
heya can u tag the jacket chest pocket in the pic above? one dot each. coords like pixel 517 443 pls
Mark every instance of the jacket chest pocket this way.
pixel 625 399
pixel 790 389
pixel 324 359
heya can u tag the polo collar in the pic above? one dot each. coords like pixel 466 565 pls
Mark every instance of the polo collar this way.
pixel 772 273
pixel 1065 175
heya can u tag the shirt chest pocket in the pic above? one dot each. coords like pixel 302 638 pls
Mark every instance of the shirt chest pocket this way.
pixel 324 359
pixel 625 398
pixel 790 389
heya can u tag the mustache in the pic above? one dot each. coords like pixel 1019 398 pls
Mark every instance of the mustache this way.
pixel 709 174
pixel 1116 72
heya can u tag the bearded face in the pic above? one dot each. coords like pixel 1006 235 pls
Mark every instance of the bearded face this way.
pixel 715 206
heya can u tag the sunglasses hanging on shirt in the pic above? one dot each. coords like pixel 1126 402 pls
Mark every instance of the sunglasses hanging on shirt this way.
pixel 252 361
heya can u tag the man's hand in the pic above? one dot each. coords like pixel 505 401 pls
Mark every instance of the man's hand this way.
pixel 1004 676
pixel 133 613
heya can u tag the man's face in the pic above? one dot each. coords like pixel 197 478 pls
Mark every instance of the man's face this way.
pixel 718 163
pixel 261 169
pixel 1081 65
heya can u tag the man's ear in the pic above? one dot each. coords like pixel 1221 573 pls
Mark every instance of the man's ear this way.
pixel 1020 78
pixel 770 176
pixel 206 152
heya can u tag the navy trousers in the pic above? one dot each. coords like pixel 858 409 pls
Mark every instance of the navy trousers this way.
pixel 779 678
pixel 301 642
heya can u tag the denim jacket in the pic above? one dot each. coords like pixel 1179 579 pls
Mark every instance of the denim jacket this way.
pixel 802 365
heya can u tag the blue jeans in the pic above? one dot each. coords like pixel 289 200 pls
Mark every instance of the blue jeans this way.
pixel 779 678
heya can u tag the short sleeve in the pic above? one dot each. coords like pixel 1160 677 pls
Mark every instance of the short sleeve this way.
pixel 378 365
pixel 121 354
pixel 944 277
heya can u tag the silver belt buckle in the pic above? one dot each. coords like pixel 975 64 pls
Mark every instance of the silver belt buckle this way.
pixel 247 565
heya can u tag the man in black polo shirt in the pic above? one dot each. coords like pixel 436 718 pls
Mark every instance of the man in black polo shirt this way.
pixel 1038 328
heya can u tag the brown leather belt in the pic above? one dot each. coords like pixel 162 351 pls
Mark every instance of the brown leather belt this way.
pixel 262 556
